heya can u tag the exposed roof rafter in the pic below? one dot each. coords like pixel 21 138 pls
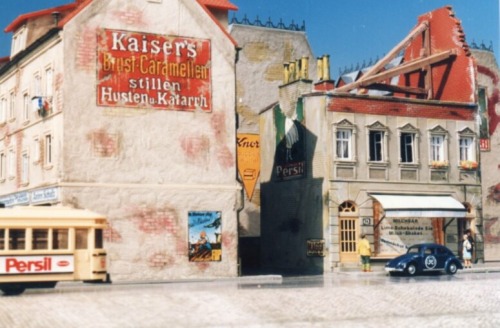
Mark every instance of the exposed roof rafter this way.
pixel 377 76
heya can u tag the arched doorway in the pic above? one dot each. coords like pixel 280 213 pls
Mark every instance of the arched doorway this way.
pixel 348 229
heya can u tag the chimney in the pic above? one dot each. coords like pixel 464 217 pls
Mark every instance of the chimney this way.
pixel 323 67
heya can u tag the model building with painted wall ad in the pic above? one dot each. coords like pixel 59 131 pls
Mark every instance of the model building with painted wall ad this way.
pixel 140 126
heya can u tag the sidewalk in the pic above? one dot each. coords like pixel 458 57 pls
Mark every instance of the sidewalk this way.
pixel 378 268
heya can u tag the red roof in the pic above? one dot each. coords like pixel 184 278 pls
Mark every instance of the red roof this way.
pixel 219 4
pixel 20 20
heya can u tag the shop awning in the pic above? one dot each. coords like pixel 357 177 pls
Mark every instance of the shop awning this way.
pixel 420 206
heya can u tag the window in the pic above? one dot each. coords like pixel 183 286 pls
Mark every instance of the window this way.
pixel 376 139
pixel 49 81
pixel 437 148
pixel 36 150
pixel 483 114
pixel 12 106
pixel 2 239
pixel 407 141
pixel 37 85
pixel 17 238
pixel 377 142
pixel 25 165
pixel 60 239
pixel 99 238
pixel 81 238
pixel 344 147
pixel 18 41
pixel 26 107
pixel 3 166
pixel 48 149
pixel 40 239
pixel 3 110
pixel 11 166
pixel 344 133
pixel 466 149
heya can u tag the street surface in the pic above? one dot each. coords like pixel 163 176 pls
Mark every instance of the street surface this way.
pixel 352 299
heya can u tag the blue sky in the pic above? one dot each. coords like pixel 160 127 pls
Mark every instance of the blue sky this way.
pixel 350 31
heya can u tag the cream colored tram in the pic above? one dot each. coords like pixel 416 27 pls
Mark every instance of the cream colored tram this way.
pixel 42 245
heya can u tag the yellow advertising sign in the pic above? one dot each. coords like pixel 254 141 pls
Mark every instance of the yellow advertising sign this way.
pixel 249 160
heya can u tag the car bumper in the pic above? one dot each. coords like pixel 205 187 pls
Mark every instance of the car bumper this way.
pixel 388 269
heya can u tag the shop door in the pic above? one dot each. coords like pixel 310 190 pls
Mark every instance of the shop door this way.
pixel 348 240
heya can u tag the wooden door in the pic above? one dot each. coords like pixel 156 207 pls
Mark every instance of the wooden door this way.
pixel 348 239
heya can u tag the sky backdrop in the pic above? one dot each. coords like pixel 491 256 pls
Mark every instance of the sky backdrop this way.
pixel 350 31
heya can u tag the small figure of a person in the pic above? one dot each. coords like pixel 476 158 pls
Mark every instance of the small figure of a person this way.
pixel 204 242
pixel 472 243
pixel 466 252
pixel 365 251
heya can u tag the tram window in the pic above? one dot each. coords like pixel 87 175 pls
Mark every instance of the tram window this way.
pixel 60 239
pixel 17 238
pixel 81 236
pixel 98 238
pixel 40 239
pixel 2 239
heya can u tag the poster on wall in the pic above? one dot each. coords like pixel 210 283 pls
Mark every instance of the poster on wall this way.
pixel 143 70
pixel 397 234
pixel 204 228
pixel 290 156
pixel 249 161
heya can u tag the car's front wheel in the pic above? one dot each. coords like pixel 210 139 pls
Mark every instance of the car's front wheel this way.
pixel 411 269
pixel 452 268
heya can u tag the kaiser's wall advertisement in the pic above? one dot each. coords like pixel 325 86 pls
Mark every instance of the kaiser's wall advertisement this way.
pixel 144 70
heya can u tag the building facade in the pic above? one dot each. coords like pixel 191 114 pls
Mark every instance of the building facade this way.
pixel 400 166
pixel 115 108
pixel 263 48
pixel 489 117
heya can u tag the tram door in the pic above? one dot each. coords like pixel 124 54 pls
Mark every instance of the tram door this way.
pixel 348 233
pixel 82 254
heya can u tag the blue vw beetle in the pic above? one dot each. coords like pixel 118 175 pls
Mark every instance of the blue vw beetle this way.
pixel 424 258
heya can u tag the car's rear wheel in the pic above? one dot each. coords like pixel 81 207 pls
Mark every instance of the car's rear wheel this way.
pixel 452 268
pixel 411 269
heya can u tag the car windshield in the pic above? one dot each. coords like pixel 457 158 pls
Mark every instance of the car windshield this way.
pixel 413 250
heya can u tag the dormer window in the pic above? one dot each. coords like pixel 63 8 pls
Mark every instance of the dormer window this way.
pixel 19 41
